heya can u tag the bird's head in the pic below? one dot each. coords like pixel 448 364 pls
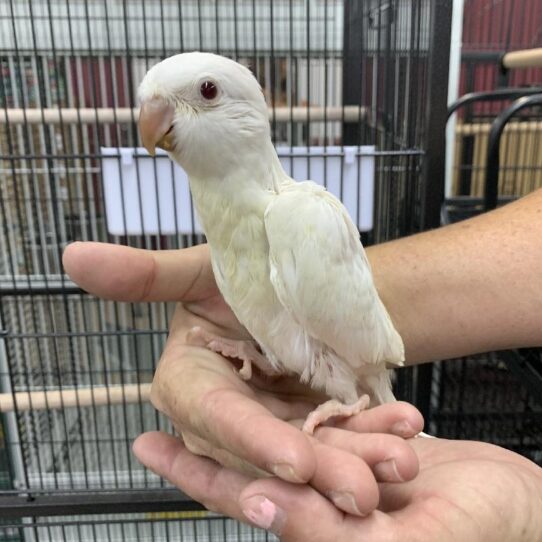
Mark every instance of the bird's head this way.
pixel 206 110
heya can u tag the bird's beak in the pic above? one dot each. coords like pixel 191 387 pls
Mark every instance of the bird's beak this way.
pixel 155 123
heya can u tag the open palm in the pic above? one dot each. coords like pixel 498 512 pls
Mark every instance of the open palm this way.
pixel 465 491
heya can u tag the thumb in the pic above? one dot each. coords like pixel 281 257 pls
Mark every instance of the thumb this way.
pixel 123 273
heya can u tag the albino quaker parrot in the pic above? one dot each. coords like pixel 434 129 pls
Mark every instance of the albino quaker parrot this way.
pixel 286 256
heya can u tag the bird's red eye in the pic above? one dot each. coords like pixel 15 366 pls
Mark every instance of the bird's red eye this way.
pixel 208 90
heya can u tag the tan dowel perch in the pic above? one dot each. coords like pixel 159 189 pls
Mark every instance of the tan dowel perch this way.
pixel 124 115
pixel 526 58
pixel 83 397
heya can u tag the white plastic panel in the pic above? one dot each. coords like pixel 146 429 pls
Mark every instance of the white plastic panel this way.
pixel 146 196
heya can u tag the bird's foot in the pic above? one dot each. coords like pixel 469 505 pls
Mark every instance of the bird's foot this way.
pixel 246 351
pixel 333 408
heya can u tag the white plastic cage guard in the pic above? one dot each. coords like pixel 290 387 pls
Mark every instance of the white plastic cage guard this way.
pixel 151 196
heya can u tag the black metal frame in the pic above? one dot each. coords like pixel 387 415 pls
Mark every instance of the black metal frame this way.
pixel 33 503
pixel 43 503
pixel 486 96
pixel 434 167
pixel 493 146
pixel 491 96
pixel 524 366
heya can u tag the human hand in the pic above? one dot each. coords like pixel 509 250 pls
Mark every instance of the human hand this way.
pixel 250 427
pixel 465 492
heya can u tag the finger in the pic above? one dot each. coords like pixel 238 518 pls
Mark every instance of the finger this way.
pixel 182 322
pixel 199 391
pixel 203 479
pixel 245 428
pixel 224 457
pixel 293 409
pixel 399 418
pixel 345 479
pixel 123 273
pixel 299 513
pixel 294 512
pixel 391 458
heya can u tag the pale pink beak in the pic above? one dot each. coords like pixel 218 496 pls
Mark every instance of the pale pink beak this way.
pixel 155 120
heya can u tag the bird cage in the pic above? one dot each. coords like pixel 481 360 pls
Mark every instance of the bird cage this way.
pixel 355 91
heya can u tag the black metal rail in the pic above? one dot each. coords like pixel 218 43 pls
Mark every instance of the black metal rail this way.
pixel 492 96
pixel 34 504
pixel 493 146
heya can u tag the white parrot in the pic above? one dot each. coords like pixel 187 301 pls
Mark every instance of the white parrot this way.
pixel 286 256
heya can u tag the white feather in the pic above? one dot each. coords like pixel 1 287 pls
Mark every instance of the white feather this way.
pixel 286 256
pixel 322 276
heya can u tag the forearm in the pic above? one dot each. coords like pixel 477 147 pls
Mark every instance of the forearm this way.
pixel 471 287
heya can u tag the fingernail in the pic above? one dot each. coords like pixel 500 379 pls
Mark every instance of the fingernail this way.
pixel 264 513
pixel 402 429
pixel 286 472
pixel 386 471
pixel 345 501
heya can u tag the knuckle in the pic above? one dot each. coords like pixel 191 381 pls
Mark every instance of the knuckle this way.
pixel 156 398
pixel 196 445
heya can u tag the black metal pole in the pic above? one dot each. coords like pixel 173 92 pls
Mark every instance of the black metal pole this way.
pixel 352 65
pixel 434 164
pixel 492 96
pixel 436 115
pixel 493 145
pixel 13 505
pixel 467 148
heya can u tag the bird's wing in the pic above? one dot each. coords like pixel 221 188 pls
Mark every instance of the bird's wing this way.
pixel 321 275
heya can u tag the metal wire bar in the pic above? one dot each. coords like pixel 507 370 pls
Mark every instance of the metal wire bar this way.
pixel 491 96
pixel 493 155
pixel 92 502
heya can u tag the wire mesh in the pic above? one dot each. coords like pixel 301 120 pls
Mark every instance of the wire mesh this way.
pixel 174 527
pixel 335 74
pixel 480 398
pixel 496 397
pixel 490 397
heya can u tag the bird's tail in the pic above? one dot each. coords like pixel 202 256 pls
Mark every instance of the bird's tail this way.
pixel 379 388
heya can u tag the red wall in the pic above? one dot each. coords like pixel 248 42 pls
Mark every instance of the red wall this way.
pixel 500 26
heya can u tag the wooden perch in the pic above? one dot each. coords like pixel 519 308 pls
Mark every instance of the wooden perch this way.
pixel 126 115
pixel 83 397
pixel 526 58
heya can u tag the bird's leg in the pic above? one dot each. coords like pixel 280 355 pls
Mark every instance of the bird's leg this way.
pixel 333 408
pixel 246 351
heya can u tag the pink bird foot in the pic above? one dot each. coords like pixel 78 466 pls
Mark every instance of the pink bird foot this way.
pixel 333 408
pixel 246 351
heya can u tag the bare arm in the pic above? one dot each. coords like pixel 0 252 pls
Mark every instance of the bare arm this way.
pixel 475 286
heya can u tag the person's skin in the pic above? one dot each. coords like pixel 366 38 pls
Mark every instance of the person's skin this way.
pixel 466 288
pixel 464 492
pixel 252 426
pixel 471 287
